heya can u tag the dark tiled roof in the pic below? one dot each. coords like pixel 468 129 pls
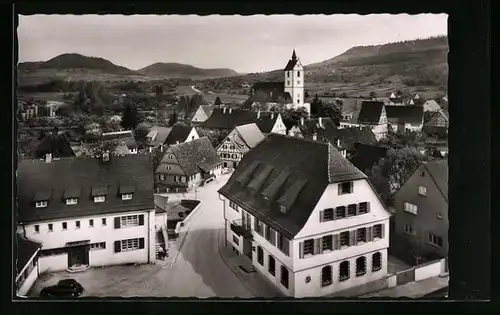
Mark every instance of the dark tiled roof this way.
pixel 292 62
pixel 92 176
pixel 25 250
pixel 298 166
pixel 438 169
pixel 179 133
pixel 370 112
pixel 349 136
pixel 229 120
pixel 58 145
pixel 126 137
pixel 405 114
pixel 250 134
pixel 367 155
pixel 274 90
pixel 266 121
pixel 193 155
pixel 312 126
pixel 208 109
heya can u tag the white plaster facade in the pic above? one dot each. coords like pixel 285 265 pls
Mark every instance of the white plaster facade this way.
pixel 305 271
pixel 103 230
pixel 294 83
pixel 28 275
pixel 193 134
pixel 279 126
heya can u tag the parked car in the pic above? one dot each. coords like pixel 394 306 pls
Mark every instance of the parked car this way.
pixel 65 287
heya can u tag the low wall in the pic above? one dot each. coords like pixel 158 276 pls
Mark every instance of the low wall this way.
pixel 28 282
pixel 190 215
pixel 369 287
pixel 392 281
pixel 428 270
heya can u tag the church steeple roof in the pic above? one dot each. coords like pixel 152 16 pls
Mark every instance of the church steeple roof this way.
pixel 292 62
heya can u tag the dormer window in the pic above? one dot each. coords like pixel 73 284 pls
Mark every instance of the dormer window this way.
pixel 345 188
pixel 283 209
pixel 71 201
pixel 126 196
pixel 41 204
pixel 99 199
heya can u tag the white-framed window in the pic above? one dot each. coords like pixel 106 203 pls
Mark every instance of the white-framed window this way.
pixel 51 227
pixel 129 220
pixel 326 276
pixel 183 179
pixel 41 204
pixel 411 208
pixel 37 228
pixel 170 156
pixel 233 206
pixel 422 191
pixel 64 226
pixel 283 208
pixel 435 240
pixel 169 167
pixel 99 199
pixel 409 229
pixel 360 266
pixel 376 261
pixel 77 224
pixel 298 74
pixel 97 246
pixel 344 271
pixel 346 188
pixel 162 177
pixel 126 196
pixel 71 201
pixel 91 223
pixel 308 247
pixel 130 244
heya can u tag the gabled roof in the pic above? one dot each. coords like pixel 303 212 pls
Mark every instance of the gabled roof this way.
pixel 367 155
pixel 194 155
pixel 405 114
pixel 314 126
pixel 438 170
pixel 208 109
pixel 250 134
pixel 370 112
pixel 179 133
pixel 25 249
pixel 125 137
pixel 274 90
pixel 58 145
pixel 293 170
pixel 431 106
pixel 229 119
pixel 349 136
pixel 91 176
pixel 292 62
pixel 159 135
pixel 266 121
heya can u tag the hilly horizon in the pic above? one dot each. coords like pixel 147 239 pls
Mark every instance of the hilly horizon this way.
pixel 179 70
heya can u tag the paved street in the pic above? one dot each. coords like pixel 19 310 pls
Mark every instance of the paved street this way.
pixel 198 271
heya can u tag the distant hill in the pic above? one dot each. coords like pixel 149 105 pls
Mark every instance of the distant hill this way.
pixel 178 70
pixel 415 64
pixel 76 61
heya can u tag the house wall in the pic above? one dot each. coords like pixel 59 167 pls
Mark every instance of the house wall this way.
pixel 428 208
pixel 97 234
pixel 160 220
pixel 380 131
pixel 230 238
pixel 199 116
pixel 279 127
pixel 225 152
pixel 428 271
pixel 347 125
pixel 313 288
pixel 193 135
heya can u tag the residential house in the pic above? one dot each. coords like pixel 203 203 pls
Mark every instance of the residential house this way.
pixel 373 115
pixel 367 155
pixel 229 118
pixel 57 144
pixel 241 140
pixel 421 214
pixel 185 165
pixel 88 211
pixel 203 113
pixel 125 141
pixel 180 133
pixel 27 269
pixel 431 106
pixel 310 221
pixel 395 100
pixel 157 136
pixel 350 112
pixel 438 121
pixel 433 145
pixel 405 118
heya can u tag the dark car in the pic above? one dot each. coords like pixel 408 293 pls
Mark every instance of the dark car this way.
pixel 65 287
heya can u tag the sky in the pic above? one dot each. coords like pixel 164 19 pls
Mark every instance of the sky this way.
pixel 243 43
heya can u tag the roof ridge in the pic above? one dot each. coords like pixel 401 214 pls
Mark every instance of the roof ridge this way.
pixel 297 139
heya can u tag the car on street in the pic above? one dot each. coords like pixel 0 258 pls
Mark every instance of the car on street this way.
pixel 65 287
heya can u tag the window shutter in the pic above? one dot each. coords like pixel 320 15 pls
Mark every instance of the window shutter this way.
pixel 141 219
pixel 367 207
pixel 316 246
pixel 322 216
pixel 117 223
pixel 141 243
pixel 339 188
pixel 334 213
pixel 336 241
pixel 369 234
pixel 352 187
pixel 320 245
pixel 301 250
pixel 382 231
pixel 118 246
pixel 352 238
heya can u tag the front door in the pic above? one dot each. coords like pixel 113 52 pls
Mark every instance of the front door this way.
pixel 78 256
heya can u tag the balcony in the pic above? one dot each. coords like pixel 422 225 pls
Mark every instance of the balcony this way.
pixel 241 229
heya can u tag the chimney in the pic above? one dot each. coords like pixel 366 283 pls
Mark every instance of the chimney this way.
pixel 223 110
pixel 230 110
pixel 48 157
pixel 258 114
pixel 272 115
pixel 320 122
pixel 337 142
pixel 105 156
pixel 177 142
pixel 302 121
pixel 315 136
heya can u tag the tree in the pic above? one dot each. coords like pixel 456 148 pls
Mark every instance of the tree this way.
pixel 95 148
pixel 344 95
pixel 173 118
pixel 141 131
pixel 399 93
pixel 332 111
pixel 130 118
pixel 217 101
pixel 316 106
pixel 373 95
pixel 306 94
pixel 158 89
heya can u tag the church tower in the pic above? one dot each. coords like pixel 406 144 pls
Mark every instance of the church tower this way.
pixel 294 80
